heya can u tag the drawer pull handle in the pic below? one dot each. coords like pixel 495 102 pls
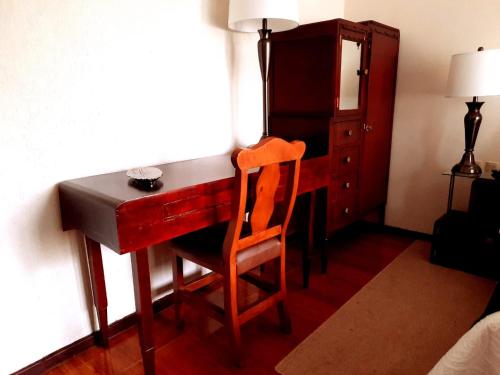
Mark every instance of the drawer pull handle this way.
pixel 347 211
pixel 347 159
pixel 347 185
pixel 367 128
pixel 349 133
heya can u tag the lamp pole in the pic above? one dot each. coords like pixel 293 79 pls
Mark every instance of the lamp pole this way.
pixel 264 48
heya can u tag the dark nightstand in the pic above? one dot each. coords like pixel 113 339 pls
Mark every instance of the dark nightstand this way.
pixel 470 241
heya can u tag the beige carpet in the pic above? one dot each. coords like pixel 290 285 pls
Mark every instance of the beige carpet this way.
pixel 400 323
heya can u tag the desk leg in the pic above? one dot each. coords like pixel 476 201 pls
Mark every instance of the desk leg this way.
pixel 144 308
pixel 324 255
pixel 98 289
pixel 306 254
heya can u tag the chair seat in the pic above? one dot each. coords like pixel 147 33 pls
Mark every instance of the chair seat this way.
pixel 204 247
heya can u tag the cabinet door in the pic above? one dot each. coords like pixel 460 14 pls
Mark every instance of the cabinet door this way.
pixel 350 82
pixel 377 131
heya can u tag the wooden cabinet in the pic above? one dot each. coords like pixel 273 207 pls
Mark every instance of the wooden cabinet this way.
pixel 332 84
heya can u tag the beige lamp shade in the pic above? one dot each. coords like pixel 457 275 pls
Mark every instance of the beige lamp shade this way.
pixel 247 15
pixel 474 74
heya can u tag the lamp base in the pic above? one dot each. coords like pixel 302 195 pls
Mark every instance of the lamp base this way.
pixel 467 166
pixel 472 122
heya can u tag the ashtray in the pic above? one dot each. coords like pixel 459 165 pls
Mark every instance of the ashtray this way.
pixel 496 174
pixel 145 178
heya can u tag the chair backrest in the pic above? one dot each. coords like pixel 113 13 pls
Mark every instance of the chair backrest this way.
pixel 268 155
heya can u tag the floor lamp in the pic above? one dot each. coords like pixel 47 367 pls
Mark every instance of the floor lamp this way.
pixel 263 16
pixel 472 75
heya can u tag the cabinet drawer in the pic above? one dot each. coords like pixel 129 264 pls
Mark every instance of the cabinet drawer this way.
pixel 342 212
pixel 343 187
pixel 345 160
pixel 345 133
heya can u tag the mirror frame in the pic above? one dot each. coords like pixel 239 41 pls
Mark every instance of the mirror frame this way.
pixel 358 36
pixel 351 63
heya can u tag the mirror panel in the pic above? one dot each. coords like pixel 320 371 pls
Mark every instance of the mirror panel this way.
pixel 350 65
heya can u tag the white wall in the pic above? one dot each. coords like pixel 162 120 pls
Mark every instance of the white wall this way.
pixel 93 86
pixel 320 10
pixel 428 131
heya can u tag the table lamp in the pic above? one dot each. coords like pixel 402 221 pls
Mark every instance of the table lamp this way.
pixel 472 75
pixel 263 16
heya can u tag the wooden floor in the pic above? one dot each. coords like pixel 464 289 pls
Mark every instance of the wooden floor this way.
pixel 354 258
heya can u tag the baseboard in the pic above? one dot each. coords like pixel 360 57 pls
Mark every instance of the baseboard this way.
pixel 396 230
pixel 408 233
pixel 360 226
pixel 61 355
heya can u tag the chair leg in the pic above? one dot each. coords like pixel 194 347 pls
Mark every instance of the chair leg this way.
pixel 284 315
pixel 307 250
pixel 178 280
pixel 232 318
pixel 280 280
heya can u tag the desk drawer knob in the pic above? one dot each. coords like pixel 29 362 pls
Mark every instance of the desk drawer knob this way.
pixel 349 133
pixel 347 185
pixel 347 211
pixel 347 159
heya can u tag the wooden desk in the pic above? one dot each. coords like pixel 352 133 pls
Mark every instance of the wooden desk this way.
pixel 195 194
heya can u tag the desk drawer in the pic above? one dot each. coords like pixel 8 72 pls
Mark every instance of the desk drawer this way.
pixel 158 218
pixel 198 202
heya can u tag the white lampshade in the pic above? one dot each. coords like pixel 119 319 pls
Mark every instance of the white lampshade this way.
pixel 247 15
pixel 474 74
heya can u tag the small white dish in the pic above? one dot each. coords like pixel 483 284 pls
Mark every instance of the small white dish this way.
pixel 145 173
pixel 146 178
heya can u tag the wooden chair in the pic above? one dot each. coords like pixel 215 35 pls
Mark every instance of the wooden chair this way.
pixel 246 245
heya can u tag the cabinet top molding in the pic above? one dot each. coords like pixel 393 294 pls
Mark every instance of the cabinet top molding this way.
pixel 334 27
